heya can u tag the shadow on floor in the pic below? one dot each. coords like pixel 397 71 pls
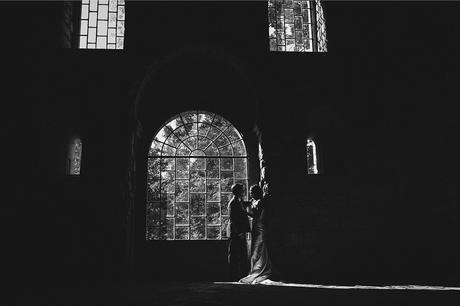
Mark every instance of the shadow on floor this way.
pixel 208 293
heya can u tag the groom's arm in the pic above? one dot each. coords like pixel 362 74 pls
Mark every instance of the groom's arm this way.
pixel 246 203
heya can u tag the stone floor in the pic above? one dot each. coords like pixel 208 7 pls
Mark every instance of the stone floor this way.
pixel 224 293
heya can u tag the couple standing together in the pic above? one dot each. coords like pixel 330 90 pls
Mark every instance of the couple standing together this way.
pixel 239 210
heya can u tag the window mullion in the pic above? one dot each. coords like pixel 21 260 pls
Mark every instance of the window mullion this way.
pixel 220 134
pixel 189 198
pixel 220 192
pixel 212 142
pixel 210 124
pixel 116 26
pixel 205 201
pixel 283 9
pixel 161 185
pixel 97 21
pixel 174 196
pixel 182 118
pixel 196 144
pixel 185 143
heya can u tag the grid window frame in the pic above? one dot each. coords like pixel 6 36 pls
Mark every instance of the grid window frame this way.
pixel 296 26
pixel 102 24
pixel 205 203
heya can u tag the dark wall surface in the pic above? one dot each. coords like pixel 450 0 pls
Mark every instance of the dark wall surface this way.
pixel 381 106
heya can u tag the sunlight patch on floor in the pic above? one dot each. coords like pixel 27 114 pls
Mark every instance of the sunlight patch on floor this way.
pixel 395 287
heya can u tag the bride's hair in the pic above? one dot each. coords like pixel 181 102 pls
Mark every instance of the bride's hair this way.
pixel 256 191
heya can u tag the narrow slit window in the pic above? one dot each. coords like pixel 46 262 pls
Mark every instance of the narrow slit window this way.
pixel 102 24
pixel 74 157
pixel 296 26
pixel 312 164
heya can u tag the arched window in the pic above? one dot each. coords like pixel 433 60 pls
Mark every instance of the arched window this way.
pixel 102 24
pixel 193 161
pixel 312 164
pixel 74 156
pixel 296 25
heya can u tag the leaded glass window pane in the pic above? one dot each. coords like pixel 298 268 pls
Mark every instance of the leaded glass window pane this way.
pixel 213 213
pixel 203 143
pixel 182 213
pixel 225 223
pixel 212 150
pixel 212 190
pixel 226 164
pixel 182 168
pixel 191 142
pixel 181 191
pixel 181 132
pixel 168 150
pixel 212 168
pixel 182 233
pixel 183 150
pixel 74 157
pixel 163 134
pixel 232 134
pixel 167 181
pixel 153 189
pixel 226 180
pixel 197 228
pixel 221 141
pixel 170 228
pixel 213 233
pixel 224 199
pixel 240 168
pixel 197 181
pixel 189 177
pixel 214 132
pixel 220 122
pixel 311 157
pixel 197 204
pixel 173 141
pixel 153 168
pixel 152 233
pixel 239 148
pixel 153 213
pixel 155 148
pixel 296 26
pixel 167 164
pixel 102 24
pixel 167 202
pixel 203 129
pixel 226 150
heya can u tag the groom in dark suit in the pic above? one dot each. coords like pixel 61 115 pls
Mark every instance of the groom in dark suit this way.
pixel 238 227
